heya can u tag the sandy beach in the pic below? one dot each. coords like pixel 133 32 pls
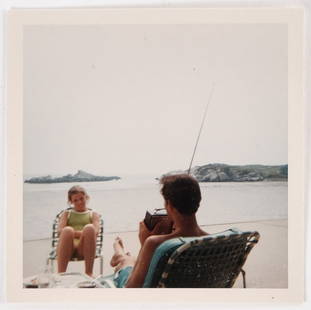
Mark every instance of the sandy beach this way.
pixel 266 266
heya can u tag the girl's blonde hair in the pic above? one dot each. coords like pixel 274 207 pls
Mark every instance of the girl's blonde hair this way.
pixel 77 190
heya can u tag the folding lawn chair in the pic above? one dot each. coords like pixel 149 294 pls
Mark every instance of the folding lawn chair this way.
pixel 212 261
pixel 55 238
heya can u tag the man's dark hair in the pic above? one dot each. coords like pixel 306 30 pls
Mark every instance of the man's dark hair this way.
pixel 182 191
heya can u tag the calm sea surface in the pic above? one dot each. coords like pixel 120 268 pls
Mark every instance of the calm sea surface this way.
pixel 123 203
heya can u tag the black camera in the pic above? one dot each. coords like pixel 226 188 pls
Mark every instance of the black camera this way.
pixel 152 218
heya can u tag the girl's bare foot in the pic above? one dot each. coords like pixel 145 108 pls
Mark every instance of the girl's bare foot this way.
pixel 118 252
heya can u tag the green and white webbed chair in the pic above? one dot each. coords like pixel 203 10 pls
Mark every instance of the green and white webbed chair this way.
pixel 55 238
pixel 212 261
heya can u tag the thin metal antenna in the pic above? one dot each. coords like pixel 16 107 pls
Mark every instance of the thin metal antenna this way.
pixel 204 116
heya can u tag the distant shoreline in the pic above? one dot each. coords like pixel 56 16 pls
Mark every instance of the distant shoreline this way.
pixel 80 176
pixel 217 172
pixel 237 173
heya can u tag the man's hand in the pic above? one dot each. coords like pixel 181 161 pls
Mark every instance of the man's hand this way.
pixel 163 227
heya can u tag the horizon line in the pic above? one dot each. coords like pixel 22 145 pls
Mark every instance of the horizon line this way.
pixel 148 172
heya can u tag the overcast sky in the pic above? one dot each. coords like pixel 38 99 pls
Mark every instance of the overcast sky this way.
pixel 129 99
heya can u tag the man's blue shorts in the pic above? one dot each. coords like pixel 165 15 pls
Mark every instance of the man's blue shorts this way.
pixel 122 276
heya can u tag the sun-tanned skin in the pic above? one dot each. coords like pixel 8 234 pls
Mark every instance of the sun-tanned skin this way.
pixel 184 225
pixel 87 245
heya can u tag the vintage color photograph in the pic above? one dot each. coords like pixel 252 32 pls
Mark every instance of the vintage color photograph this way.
pixel 155 148
pixel 150 141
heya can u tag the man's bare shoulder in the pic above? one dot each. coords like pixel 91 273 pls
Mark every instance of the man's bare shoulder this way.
pixel 156 240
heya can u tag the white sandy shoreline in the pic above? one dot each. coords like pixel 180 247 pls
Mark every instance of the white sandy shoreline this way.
pixel 266 266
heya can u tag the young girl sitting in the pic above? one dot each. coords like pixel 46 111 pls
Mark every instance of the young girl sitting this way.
pixel 77 231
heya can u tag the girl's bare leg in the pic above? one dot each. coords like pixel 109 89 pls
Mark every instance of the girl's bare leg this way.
pixel 87 247
pixel 65 248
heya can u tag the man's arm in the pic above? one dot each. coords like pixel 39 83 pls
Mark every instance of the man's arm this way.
pixel 163 227
pixel 140 270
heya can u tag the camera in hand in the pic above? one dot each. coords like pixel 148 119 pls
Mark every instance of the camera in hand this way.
pixel 152 218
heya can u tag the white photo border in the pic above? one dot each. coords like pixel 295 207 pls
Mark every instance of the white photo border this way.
pixel 19 18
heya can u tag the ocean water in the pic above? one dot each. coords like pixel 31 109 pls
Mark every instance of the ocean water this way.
pixel 123 203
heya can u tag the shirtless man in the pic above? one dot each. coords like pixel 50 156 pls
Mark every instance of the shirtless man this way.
pixel 182 198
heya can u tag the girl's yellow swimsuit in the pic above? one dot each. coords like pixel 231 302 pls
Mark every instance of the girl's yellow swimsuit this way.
pixel 77 220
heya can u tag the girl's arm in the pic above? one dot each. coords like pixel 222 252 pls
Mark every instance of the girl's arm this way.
pixel 62 222
pixel 96 222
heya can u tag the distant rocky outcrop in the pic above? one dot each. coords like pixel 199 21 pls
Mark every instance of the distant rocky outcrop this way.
pixel 80 176
pixel 229 173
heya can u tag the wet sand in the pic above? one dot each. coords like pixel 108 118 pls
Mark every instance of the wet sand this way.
pixel 266 266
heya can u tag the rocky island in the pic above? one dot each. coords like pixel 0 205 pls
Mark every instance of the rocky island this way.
pixel 80 176
pixel 230 173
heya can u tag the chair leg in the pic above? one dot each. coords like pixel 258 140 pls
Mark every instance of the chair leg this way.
pixel 50 262
pixel 101 265
pixel 244 278
pixel 52 266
